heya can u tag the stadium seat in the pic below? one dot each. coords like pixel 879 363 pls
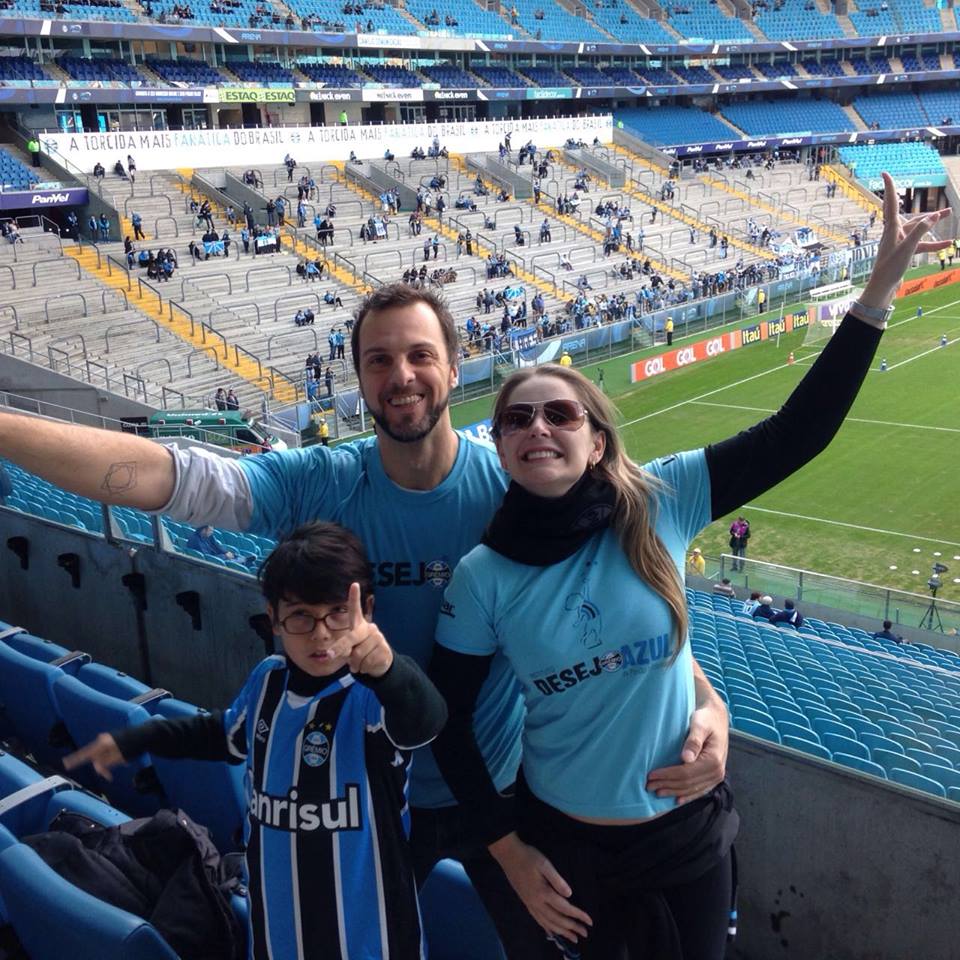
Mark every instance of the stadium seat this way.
pixel 35 647
pixel 212 793
pixel 807 746
pixel 859 763
pixel 918 781
pixel 766 731
pixel 824 726
pixel 953 793
pixel 455 922
pixel 894 761
pixel 86 713
pixel 845 745
pixel 114 683
pixel 29 708
pixel 874 742
pixel 925 756
pixel 943 775
pixel 752 714
pixel 788 729
pixel 54 919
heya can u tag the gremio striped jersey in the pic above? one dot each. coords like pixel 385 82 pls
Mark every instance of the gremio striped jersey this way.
pixel 326 834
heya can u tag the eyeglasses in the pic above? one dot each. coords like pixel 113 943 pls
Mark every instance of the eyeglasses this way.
pixel 562 414
pixel 300 624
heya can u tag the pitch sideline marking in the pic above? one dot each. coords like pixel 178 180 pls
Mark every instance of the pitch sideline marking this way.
pixel 853 526
pixel 879 423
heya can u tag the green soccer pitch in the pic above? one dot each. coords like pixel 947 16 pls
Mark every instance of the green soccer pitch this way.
pixel 881 502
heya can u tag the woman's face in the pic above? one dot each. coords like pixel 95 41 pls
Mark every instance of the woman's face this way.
pixel 544 459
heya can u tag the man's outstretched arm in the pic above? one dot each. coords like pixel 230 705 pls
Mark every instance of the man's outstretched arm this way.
pixel 107 465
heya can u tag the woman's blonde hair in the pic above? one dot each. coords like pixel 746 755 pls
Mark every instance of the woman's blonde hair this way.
pixel 636 491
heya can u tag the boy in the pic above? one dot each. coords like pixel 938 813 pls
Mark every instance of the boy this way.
pixel 325 731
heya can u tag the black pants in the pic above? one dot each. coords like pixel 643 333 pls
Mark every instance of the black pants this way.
pixel 660 890
pixel 448 833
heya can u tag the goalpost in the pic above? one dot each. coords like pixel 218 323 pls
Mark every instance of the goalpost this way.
pixel 830 304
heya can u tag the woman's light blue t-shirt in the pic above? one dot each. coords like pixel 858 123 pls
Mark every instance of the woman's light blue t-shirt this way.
pixel 591 645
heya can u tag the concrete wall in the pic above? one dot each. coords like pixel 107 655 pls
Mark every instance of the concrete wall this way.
pixel 53 390
pixel 836 866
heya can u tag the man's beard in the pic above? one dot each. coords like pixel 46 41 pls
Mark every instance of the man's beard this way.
pixel 414 431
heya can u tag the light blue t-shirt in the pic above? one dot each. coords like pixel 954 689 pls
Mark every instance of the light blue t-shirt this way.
pixel 591 645
pixel 413 540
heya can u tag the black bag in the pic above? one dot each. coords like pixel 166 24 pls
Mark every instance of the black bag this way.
pixel 164 869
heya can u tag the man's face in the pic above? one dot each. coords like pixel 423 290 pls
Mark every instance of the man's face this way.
pixel 405 373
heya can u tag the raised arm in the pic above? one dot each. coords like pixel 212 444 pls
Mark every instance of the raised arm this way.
pixel 107 465
pixel 744 466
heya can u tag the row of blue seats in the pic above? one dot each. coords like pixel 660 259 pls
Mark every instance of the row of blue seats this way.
pixel 52 699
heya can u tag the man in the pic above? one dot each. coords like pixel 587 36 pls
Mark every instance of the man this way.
pixel 419 495
pixel 137 222
pixel 789 614
pixel 668 328
pixel 887 633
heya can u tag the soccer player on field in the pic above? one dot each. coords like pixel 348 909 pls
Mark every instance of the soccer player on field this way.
pixel 325 731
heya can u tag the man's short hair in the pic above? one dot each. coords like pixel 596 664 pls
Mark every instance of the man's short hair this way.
pixel 316 564
pixel 392 295
pixel 887 624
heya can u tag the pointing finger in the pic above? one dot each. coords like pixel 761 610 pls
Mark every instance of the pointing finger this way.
pixel 355 607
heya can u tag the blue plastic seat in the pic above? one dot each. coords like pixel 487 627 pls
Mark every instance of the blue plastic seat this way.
pixel 908 742
pixel 456 924
pixel 860 724
pixel 115 683
pixel 212 793
pixel 953 793
pixel 788 716
pixel 846 745
pixel 875 742
pixel 764 730
pixel 859 763
pixel 825 725
pixel 926 756
pixel 86 713
pixel 943 775
pixel 788 729
pixel 54 919
pixel 29 707
pixel 894 761
pixel 918 781
pixel 807 746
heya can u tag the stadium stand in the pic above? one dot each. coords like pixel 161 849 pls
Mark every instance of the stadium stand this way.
pixel 900 160
pixel 873 65
pixel 890 111
pixel 777 69
pixel 391 76
pixel 448 75
pixel 735 71
pixel 824 67
pixel 98 68
pixel 798 20
pixel 496 76
pixel 14 174
pixel 331 75
pixel 787 116
pixel 694 75
pixel 667 125
pixel 622 21
pixel 547 20
pixel 940 106
pixel 184 70
pixel 825 691
pixel 471 19
pixel 77 10
pixel 875 18
pixel 20 69
pixel 545 76
pixel 261 71
pixel 701 20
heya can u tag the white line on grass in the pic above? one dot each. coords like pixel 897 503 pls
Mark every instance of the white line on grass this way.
pixel 852 526
pixel 939 346
pixel 878 423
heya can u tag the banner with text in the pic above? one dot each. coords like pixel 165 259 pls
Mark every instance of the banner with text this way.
pixel 258 95
pixel 169 149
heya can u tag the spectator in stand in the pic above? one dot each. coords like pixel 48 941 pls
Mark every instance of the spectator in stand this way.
pixel 724 588
pixel 233 401
pixel 203 541
pixel 220 399
pixel 764 611
pixel 789 614
pixel 137 222
pixel 696 564
pixel 6 485
pixel 887 633
pixel 750 606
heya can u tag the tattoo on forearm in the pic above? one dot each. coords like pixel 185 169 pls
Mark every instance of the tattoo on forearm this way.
pixel 120 477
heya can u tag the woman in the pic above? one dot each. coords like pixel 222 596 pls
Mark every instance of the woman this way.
pixel 578 582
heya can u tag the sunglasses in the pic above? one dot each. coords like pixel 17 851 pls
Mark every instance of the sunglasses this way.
pixel 562 414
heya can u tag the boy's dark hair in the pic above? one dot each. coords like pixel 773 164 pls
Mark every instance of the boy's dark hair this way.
pixel 401 294
pixel 316 564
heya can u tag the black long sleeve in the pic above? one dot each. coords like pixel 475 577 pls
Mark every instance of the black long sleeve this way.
pixel 459 677
pixel 200 737
pixel 414 712
pixel 745 465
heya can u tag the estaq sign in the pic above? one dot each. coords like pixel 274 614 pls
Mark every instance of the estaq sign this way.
pixel 258 95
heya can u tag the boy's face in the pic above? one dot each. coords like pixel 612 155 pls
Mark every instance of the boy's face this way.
pixel 324 649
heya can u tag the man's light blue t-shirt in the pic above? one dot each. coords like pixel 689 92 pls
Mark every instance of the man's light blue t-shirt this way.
pixel 591 645
pixel 413 539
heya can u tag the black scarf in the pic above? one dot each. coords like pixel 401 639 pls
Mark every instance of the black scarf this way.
pixel 540 531
pixel 304 684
